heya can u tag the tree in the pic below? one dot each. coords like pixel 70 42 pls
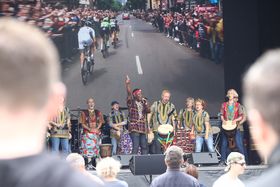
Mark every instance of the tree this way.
pixel 136 4
pixel 108 5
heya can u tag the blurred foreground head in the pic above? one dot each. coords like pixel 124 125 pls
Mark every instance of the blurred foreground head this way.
pixel 30 87
pixel 29 65
pixel 262 99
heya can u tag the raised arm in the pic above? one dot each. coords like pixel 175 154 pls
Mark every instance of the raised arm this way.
pixel 128 86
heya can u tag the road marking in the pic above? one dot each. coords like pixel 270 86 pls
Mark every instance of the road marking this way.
pixel 132 34
pixel 138 64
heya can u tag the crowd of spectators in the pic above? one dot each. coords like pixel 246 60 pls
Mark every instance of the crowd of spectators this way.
pixel 200 28
pixel 59 22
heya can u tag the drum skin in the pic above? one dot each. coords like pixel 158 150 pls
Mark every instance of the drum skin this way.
pixel 164 130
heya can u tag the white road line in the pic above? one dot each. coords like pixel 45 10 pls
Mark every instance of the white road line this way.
pixel 138 64
pixel 132 34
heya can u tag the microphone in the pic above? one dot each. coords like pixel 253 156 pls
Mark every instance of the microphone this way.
pixel 123 108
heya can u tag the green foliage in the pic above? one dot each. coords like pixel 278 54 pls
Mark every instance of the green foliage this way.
pixel 108 5
pixel 136 4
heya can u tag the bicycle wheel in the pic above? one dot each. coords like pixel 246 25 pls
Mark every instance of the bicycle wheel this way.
pixel 115 43
pixel 84 72
pixel 90 66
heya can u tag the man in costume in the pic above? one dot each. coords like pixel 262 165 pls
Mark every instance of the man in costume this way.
pixel 60 127
pixel 231 111
pixel 138 108
pixel 162 112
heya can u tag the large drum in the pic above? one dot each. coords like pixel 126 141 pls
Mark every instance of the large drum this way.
pixel 229 129
pixel 105 150
pixel 166 132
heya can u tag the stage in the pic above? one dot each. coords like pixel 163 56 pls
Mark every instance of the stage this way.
pixel 207 175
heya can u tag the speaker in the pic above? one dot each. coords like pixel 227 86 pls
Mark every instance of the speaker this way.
pixel 147 164
pixel 204 158
pixel 124 159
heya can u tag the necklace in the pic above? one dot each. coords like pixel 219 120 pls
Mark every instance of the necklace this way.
pixel 61 117
pixel 162 110
pixel 230 110
pixel 188 118
pixel 117 116
pixel 198 121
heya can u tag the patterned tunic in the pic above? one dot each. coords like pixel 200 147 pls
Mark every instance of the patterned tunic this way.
pixel 186 118
pixel 232 112
pixel 125 142
pixel 90 139
pixel 61 118
pixel 137 114
pixel 162 114
pixel 199 120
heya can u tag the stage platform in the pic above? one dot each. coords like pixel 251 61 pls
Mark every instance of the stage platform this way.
pixel 207 175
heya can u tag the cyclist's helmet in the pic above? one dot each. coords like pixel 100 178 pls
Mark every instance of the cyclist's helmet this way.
pixel 106 19
pixel 88 23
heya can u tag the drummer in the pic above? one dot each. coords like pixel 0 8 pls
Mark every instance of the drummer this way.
pixel 162 112
pixel 118 122
pixel 231 111
pixel 185 132
pixel 186 115
pixel 202 127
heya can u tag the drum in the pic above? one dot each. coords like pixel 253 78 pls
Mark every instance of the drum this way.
pixel 166 132
pixel 105 150
pixel 229 129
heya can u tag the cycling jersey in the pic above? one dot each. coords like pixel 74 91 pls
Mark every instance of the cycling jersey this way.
pixel 84 36
pixel 112 23
pixel 105 24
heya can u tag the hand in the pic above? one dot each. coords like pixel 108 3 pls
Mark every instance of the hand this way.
pixel 127 80
pixel 70 136
pixel 206 137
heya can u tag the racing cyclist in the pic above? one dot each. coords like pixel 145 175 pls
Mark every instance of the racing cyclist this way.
pixel 86 36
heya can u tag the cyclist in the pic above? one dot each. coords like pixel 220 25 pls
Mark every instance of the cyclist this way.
pixel 113 24
pixel 86 36
pixel 105 31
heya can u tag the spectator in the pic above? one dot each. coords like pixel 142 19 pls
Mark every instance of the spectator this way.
pixel 107 169
pixel 173 176
pixel 235 167
pixel 192 170
pixel 78 163
pixel 30 90
pixel 262 97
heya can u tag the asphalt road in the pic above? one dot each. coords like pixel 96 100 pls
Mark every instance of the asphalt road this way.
pixel 153 63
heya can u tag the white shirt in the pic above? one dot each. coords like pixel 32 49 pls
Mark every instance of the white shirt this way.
pixel 225 180
pixel 84 34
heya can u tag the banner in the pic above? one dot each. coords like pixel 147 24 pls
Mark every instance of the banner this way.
pixel 84 2
pixel 180 1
